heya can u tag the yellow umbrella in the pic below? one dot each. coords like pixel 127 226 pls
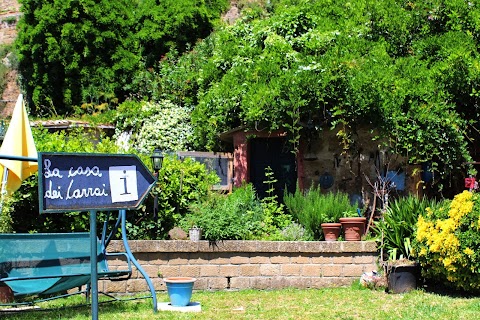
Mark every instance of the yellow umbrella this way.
pixel 18 141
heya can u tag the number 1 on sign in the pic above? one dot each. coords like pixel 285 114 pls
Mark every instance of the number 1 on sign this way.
pixel 123 183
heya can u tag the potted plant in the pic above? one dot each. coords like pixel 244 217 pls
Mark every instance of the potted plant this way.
pixel 395 229
pixel 337 204
pixel 402 272
pixel 318 212
pixel 353 225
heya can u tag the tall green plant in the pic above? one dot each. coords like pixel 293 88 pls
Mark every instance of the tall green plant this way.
pixel 274 217
pixel 312 208
pixel 398 225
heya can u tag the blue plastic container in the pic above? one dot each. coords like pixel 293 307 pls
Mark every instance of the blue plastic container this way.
pixel 179 290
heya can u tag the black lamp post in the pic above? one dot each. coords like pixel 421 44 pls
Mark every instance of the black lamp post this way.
pixel 157 160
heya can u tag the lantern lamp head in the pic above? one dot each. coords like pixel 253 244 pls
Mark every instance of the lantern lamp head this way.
pixel 157 159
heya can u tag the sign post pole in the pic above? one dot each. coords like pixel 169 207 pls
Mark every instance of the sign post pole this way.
pixel 93 264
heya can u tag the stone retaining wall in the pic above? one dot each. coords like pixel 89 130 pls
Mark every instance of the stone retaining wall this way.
pixel 235 265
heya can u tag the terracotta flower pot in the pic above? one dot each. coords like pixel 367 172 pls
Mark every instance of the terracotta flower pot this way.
pixel 353 228
pixel 331 230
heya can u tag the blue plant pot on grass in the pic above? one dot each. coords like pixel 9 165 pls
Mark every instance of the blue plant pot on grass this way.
pixel 179 290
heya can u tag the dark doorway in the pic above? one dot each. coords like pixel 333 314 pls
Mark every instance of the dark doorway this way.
pixel 277 154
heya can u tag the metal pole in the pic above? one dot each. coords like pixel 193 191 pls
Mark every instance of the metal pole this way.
pixel 123 213
pixel 155 209
pixel 93 263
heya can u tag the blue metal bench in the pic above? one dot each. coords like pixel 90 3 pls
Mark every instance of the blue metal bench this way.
pixel 47 263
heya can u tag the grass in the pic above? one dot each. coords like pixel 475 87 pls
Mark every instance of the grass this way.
pixel 331 303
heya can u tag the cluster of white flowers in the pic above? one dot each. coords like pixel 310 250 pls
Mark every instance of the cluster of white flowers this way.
pixel 165 126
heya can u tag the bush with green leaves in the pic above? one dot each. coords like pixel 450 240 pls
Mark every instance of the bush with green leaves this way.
pixel 312 207
pixel 404 68
pixel 236 216
pixel 180 183
pixel 447 242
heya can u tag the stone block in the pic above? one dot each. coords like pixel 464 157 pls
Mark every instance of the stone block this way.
pixel 151 270
pixel 229 270
pixel 290 269
pixel 269 269
pixel 137 285
pixel 352 246
pixel 322 259
pixel 190 271
pixel 268 246
pixel 169 271
pixel 201 284
pixel 217 283
pixel 178 258
pixel 220 258
pixel 113 286
pixel 353 270
pixel 342 258
pixel 250 270
pixel 260 258
pixel 209 270
pixel 240 283
pixel 198 258
pixel 158 258
pixel 239 259
pixel 280 259
pixel 262 283
pixel 363 258
pixel 301 259
pixel 332 271
pixel 311 270
pixel 298 282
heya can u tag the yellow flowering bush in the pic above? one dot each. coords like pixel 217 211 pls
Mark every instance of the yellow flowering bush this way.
pixel 447 242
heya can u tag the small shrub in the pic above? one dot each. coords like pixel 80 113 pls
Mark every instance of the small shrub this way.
pixel 312 208
pixel 237 216
pixel 295 232
pixel 448 241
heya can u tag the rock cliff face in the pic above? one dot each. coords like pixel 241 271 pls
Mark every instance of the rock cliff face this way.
pixel 9 16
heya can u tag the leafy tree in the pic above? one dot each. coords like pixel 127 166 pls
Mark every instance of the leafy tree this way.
pixel 409 69
pixel 73 52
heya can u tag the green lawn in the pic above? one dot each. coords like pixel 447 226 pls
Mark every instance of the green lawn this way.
pixel 332 303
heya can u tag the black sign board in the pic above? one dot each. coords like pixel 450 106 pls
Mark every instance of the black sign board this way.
pixel 86 181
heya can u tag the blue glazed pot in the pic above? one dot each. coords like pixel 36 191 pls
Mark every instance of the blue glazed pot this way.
pixel 179 290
